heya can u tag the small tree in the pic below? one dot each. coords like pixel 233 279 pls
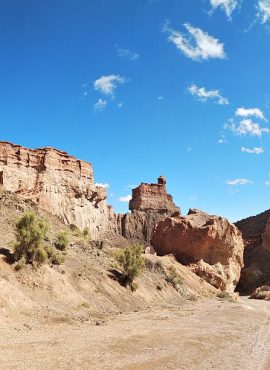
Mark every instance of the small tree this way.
pixel 131 261
pixel 62 241
pixel 30 234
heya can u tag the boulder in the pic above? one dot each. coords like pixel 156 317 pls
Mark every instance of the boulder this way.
pixel 263 292
pixel 199 239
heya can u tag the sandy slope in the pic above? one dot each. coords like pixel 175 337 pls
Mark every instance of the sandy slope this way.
pixel 198 335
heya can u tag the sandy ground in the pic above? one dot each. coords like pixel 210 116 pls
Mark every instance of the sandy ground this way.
pixel 197 335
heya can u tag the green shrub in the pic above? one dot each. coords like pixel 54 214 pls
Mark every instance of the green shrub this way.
pixel 75 231
pixel 174 278
pixel 30 235
pixel 86 233
pixel 20 264
pixel 62 241
pixel 30 245
pixel 131 262
pixel 54 256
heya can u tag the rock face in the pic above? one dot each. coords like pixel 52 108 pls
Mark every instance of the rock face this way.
pixel 256 235
pixel 262 292
pixel 64 186
pixel 56 182
pixel 150 204
pixel 200 239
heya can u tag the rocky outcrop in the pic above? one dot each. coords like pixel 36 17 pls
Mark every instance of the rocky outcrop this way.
pixel 200 239
pixel 56 182
pixel 150 204
pixel 256 235
pixel 262 292
pixel 64 186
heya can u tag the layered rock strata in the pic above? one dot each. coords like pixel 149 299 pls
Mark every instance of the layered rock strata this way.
pixel 210 244
pixel 56 182
pixel 150 204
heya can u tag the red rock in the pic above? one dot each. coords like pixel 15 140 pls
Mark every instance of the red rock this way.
pixel 199 236
pixel 56 182
pixel 150 204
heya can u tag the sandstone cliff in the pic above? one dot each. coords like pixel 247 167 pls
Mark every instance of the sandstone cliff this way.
pixel 64 186
pixel 150 204
pixel 56 182
pixel 210 244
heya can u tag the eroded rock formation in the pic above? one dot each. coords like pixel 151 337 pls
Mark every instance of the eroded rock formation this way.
pixel 256 235
pixel 150 204
pixel 56 182
pixel 199 240
pixel 64 186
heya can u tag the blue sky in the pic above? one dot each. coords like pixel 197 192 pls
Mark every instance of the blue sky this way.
pixel 142 88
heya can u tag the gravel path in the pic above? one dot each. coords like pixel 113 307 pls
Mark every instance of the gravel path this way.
pixel 198 335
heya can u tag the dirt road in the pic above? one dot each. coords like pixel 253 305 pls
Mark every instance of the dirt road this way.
pixel 198 335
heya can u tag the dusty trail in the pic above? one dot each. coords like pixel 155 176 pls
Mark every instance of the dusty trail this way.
pixel 198 335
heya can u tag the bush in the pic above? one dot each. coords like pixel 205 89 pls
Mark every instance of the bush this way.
pixel 131 261
pixel 62 241
pixel 20 264
pixel 30 235
pixel 75 231
pixel 54 257
pixel 174 278
pixel 30 246
pixel 86 233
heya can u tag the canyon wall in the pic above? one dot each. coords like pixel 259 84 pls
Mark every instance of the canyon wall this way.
pixel 57 183
pixel 64 186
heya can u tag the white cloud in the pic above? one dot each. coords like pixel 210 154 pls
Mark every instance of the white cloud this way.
pixel 267 183
pixel 227 5
pixel 263 8
pixel 100 105
pixel 131 55
pixel 235 182
pixel 108 84
pixel 246 127
pixel 256 150
pixel 160 97
pixel 222 141
pixel 126 198
pixel 120 105
pixel 250 112
pixel 205 95
pixel 101 185
pixel 197 45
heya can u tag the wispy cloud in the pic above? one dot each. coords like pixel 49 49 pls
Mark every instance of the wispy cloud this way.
pixel 263 11
pixel 240 181
pixel 256 150
pixel 101 185
pixel 108 84
pixel 267 183
pixel 100 105
pixel 222 141
pixel 250 112
pixel 126 53
pixel 125 199
pixel 245 127
pixel 204 95
pixel 196 44
pixel 227 5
